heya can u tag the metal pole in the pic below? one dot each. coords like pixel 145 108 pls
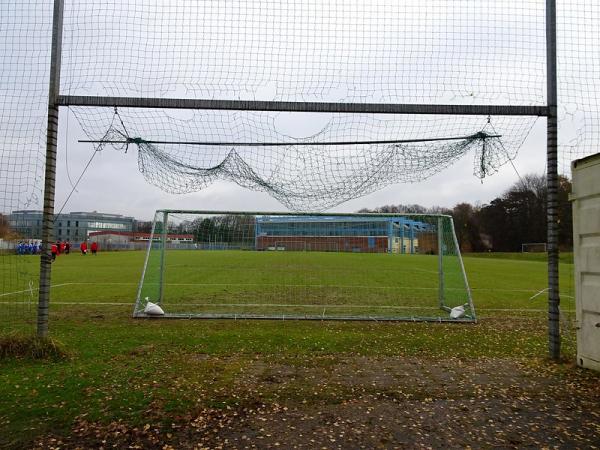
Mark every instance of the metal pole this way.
pixel 552 185
pixel 440 238
pixel 50 171
pixel 462 269
pixel 402 222
pixel 163 243
pixel 317 107
pixel 138 301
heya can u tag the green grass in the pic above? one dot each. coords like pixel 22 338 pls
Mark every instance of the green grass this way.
pixel 564 257
pixel 303 283
pixel 142 370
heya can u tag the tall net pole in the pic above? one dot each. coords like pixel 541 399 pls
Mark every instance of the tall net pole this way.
pixel 440 243
pixel 552 184
pixel 163 243
pixel 50 172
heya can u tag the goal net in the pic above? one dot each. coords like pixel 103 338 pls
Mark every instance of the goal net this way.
pixel 335 266
pixel 175 86
pixel 534 247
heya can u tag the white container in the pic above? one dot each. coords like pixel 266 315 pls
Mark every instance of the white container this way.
pixel 586 247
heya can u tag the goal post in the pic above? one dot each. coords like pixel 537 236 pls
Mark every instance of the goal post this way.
pixel 336 266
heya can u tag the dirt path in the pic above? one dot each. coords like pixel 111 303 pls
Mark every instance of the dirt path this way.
pixel 358 402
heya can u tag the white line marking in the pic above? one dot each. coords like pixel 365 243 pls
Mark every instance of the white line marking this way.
pixel 420 288
pixel 31 289
pixel 283 305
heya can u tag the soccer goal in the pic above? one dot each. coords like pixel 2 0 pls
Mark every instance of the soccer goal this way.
pixel 345 266
pixel 533 247
pixel 289 246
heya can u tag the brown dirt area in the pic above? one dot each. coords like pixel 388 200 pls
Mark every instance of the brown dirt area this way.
pixel 362 402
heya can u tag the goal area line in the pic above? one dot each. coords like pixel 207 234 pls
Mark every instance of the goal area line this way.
pixel 314 317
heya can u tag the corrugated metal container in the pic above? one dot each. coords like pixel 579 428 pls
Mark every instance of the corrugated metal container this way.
pixel 586 247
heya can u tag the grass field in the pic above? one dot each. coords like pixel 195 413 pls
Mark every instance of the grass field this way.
pixel 241 383
pixel 304 284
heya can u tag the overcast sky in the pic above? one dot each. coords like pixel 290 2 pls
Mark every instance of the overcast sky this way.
pixel 466 51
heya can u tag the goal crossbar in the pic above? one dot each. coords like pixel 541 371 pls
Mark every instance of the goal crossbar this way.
pixel 315 107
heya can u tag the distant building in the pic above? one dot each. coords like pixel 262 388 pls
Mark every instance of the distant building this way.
pixel 345 234
pixel 113 240
pixel 75 226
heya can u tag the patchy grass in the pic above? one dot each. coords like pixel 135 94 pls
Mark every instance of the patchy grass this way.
pixel 152 383
pixel 19 346
pixel 564 257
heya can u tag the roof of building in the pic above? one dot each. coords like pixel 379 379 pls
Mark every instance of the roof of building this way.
pixel 94 214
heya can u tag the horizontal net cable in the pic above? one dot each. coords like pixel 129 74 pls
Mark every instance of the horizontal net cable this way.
pixel 129 140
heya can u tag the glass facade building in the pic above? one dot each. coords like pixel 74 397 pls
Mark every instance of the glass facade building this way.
pixel 75 226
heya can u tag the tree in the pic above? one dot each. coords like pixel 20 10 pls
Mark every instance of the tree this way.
pixel 5 231
pixel 142 226
pixel 205 230
pixel 520 214
pixel 466 224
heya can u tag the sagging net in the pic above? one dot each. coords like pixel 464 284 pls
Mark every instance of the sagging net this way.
pixel 314 173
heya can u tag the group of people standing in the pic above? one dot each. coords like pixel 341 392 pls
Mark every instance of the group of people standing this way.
pixel 28 248
pixel 84 248
pixel 59 248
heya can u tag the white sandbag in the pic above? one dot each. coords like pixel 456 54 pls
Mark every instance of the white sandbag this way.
pixel 153 309
pixel 458 312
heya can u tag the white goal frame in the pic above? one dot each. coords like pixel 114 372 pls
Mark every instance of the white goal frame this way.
pixel 161 220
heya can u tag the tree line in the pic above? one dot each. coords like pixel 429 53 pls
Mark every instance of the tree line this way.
pixel 516 217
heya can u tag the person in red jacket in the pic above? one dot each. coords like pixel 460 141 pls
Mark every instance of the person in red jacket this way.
pixel 83 248
pixel 94 247
pixel 62 247
pixel 54 251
